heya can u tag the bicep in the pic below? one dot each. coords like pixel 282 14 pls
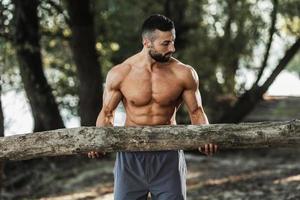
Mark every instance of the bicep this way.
pixel 192 99
pixel 112 94
pixel 111 99
pixel 191 93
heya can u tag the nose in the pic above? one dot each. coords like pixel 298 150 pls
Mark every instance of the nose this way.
pixel 172 48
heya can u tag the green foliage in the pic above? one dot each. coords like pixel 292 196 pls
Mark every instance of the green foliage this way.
pixel 294 65
pixel 10 75
pixel 216 37
pixel 118 22
pixel 58 62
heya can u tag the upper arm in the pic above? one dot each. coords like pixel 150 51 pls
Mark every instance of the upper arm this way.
pixel 111 97
pixel 192 98
pixel 112 94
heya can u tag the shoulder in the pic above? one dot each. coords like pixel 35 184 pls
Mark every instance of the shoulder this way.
pixel 120 70
pixel 187 74
pixel 117 74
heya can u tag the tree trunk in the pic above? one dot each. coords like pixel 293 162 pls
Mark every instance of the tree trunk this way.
pixel 270 40
pixel 1 135
pixel 109 139
pixel 88 69
pixel 175 10
pixel 230 57
pixel 250 98
pixel 44 108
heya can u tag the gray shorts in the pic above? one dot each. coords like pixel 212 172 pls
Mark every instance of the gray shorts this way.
pixel 162 173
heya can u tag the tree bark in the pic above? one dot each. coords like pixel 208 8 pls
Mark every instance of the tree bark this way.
pixel 1 135
pixel 231 55
pixel 81 140
pixel 83 43
pixel 251 97
pixel 44 108
pixel 270 40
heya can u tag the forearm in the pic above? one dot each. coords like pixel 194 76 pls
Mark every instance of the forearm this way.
pixel 105 119
pixel 198 116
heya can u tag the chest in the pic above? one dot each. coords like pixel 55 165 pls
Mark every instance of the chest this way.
pixel 143 88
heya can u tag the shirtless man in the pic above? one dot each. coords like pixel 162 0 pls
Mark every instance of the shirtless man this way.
pixel 152 85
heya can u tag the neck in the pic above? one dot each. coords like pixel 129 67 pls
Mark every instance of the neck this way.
pixel 147 58
pixel 149 62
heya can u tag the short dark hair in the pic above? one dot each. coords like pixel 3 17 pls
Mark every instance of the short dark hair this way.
pixel 157 21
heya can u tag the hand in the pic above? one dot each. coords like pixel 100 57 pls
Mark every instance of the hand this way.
pixel 208 149
pixel 96 154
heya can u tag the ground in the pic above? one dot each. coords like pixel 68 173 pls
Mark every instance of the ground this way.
pixel 235 174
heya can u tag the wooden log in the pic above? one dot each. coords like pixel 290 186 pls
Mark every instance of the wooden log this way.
pixel 149 138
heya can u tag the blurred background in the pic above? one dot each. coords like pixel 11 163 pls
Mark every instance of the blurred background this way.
pixel 54 57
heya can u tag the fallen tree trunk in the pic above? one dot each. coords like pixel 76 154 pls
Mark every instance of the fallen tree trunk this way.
pixel 109 139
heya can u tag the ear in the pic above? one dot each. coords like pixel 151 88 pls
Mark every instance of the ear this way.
pixel 146 42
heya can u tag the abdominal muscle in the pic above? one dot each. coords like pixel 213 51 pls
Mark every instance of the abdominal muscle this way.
pixel 150 115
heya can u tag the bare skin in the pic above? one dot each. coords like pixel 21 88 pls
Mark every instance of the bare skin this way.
pixel 152 91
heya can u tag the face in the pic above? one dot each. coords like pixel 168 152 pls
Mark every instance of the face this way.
pixel 161 47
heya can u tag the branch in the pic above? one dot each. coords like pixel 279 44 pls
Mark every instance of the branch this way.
pixel 247 101
pixel 109 139
pixel 271 33
pixel 289 54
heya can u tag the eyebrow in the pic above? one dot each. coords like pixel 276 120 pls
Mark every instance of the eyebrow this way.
pixel 168 41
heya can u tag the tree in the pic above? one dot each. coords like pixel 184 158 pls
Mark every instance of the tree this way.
pixel 83 44
pixel 228 40
pixel 247 101
pixel 1 135
pixel 175 10
pixel 26 40
pixel 218 38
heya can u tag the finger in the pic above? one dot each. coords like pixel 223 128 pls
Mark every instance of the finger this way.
pixel 93 154
pixel 90 154
pixel 211 149
pixel 202 150
pixel 97 155
pixel 206 149
pixel 216 148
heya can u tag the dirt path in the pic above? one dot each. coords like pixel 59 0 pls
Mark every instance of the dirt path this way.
pixel 256 174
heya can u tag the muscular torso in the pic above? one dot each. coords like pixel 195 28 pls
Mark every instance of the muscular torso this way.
pixel 151 97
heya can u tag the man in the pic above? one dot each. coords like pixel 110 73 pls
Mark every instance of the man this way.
pixel 152 85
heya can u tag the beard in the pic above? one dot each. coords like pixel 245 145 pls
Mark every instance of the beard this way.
pixel 160 57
